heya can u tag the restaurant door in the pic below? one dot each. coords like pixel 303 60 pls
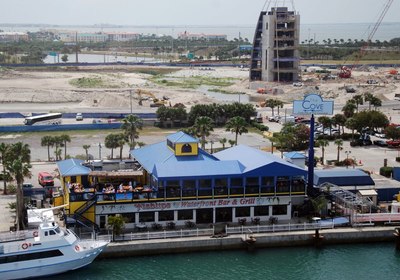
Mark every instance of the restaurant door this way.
pixel 223 215
pixel 204 216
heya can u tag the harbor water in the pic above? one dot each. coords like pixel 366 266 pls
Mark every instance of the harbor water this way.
pixel 356 261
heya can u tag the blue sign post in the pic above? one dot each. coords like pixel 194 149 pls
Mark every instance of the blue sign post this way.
pixel 312 104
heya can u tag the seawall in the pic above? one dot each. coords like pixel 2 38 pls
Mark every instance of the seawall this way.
pixel 263 240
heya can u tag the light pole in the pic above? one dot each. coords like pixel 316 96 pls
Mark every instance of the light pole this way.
pixel 347 158
pixel 100 151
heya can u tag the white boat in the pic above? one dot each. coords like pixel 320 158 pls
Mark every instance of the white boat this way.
pixel 46 251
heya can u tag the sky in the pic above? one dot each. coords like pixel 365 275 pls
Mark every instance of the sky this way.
pixel 187 12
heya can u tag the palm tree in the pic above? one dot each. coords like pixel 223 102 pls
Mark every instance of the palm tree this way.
pixel 131 125
pixel 202 128
pixel 3 152
pixel 86 148
pixel 323 143
pixel 237 125
pixel 65 138
pixel 223 142
pixel 117 223
pixel 358 100
pixel 58 142
pixel 339 144
pixel 231 142
pixel 18 164
pixel 111 142
pixel 121 142
pixel 368 97
pixel 47 141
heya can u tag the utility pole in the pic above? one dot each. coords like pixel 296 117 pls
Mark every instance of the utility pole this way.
pixel 76 47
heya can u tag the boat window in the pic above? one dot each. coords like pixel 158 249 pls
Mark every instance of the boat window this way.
pixel 30 256
pixel 52 232
pixel 46 233
pixel 57 229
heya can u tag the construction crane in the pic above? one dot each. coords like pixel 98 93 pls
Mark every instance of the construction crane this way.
pixel 345 72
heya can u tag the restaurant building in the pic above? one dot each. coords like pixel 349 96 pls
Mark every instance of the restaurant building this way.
pixel 175 181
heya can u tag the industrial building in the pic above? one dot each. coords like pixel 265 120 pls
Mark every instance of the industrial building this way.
pixel 275 55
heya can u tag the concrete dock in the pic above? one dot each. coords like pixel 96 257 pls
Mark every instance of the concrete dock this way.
pixel 263 240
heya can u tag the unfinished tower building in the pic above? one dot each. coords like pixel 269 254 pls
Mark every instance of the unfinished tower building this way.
pixel 275 55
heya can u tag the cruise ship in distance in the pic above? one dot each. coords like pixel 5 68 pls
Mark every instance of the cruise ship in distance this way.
pixel 46 251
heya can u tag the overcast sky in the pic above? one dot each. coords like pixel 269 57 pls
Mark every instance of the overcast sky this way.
pixel 187 12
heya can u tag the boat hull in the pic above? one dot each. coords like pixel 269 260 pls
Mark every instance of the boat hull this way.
pixel 46 267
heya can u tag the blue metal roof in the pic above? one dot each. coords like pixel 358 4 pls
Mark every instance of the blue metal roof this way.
pixel 181 137
pixel 253 158
pixel 343 177
pixel 72 167
pixel 295 155
pixel 159 153
pixel 198 169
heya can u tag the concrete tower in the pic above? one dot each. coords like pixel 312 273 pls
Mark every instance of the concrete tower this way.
pixel 275 55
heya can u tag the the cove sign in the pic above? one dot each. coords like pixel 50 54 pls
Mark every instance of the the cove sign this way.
pixel 312 104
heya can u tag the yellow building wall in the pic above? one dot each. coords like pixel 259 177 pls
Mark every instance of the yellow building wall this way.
pixel 89 214
pixel 178 149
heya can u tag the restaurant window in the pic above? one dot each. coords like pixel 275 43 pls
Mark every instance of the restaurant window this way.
pixel 173 188
pixel 129 217
pixel 242 212
pixel 205 187
pixel 220 186
pixel 236 182
pixel 267 185
pixel 279 210
pixel 188 188
pixel 282 184
pixel 161 191
pixel 236 186
pixel 298 184
pixel 252 185
pixel 185 214
pixel 261 210
pixel 145 217
pixel 165 216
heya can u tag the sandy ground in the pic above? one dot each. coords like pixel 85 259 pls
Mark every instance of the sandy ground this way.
pixel 36 91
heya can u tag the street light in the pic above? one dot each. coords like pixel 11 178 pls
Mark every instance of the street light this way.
pixel 347 158
pixel 100 151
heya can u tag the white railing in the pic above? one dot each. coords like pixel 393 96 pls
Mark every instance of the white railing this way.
pixel 278 228
pixel 170 234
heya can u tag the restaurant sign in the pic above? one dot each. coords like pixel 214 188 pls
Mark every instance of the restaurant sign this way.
pixel 312 104
pixel 190 204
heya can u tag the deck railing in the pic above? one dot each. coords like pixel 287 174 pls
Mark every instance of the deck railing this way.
pixel 196 232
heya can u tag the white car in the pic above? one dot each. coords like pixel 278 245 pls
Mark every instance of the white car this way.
pixel 298 84
pixel 380 135
pixel 275 118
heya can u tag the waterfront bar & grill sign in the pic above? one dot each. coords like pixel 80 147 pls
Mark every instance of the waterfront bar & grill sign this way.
pixel 180 205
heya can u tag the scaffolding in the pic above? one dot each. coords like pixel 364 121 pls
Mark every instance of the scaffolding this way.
pixel 348 201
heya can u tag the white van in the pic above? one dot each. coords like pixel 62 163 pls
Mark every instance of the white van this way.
pixel 287 119
pixel 79 117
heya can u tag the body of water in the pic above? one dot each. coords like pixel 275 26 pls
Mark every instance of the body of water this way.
pixel 100 58
pixel 317 32
pixel 361 261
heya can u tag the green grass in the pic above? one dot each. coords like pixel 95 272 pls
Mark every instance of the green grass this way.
pixel 153 71
pixel 193 82
pixel 97 82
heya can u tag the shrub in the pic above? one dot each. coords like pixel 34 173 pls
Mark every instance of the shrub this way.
pixel 386 171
